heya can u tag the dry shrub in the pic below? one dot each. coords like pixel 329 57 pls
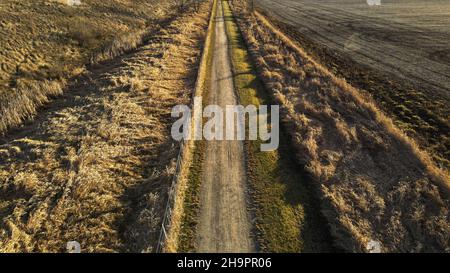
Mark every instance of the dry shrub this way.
pixel 375 182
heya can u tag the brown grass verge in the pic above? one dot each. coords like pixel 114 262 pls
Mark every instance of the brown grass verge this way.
pixel 192 152
pixel 96 165
pixel 65 39
pixel 376 184
pixel 419 111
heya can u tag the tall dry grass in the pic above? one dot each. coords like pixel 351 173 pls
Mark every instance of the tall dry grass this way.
pixel 171 243
pixel 375 182
pixel 97 165
pixel 119 46
pixel 45 44
pixel 23 103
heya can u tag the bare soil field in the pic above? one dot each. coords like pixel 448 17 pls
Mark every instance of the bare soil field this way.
pixel 96 164
pixel 398 53
pixel 375 183
pixel 43 43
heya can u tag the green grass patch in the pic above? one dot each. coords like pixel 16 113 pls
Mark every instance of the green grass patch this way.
pixel 192 201
pixel 287 212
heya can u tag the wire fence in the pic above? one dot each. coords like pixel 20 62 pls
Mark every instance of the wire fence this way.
pixel 167 217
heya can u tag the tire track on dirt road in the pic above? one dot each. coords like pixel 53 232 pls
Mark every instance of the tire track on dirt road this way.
pixel 224 224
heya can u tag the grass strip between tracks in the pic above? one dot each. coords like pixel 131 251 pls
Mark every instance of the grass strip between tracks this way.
pixel 283 203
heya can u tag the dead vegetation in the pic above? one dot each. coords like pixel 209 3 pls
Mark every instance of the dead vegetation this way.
pixel 282 201
pixel 376 184
pixel 96 165
pixel 413 89
pixel 44 43
pixel 180 232
pixel 24 101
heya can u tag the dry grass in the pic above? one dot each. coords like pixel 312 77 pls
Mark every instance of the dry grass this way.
pixel 416 104
pixel 96 166
pixel 43 43
pixel 283 203
pixel 187 190
pixel 24 101
pixel 376 184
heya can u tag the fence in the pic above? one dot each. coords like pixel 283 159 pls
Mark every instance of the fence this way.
pixel 167 217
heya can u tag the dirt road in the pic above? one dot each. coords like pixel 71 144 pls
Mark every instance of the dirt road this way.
pixel 224 224
pixel 407 38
